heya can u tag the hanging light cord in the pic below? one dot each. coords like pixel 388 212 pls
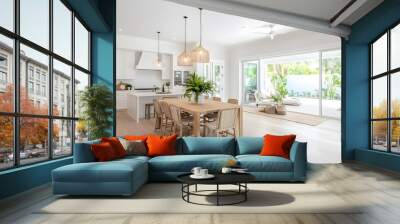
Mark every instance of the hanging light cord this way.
pixel 201 24
pixel 158 44
pixel 185 17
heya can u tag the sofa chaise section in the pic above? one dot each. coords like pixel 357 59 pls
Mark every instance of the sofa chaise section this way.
pixel 87 177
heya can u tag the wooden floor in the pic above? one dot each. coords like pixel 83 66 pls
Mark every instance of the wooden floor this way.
pixel 378 190
pixel 323 140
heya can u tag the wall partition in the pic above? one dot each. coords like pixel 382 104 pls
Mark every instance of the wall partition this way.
pixel 309 83
pixel 44 64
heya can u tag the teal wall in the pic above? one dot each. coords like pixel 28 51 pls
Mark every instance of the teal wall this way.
pixel 356 100
pixel 99 16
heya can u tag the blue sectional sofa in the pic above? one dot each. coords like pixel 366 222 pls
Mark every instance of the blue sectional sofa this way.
pixel 125 176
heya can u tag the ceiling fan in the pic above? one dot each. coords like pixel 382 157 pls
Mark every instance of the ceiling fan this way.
pixel 267 30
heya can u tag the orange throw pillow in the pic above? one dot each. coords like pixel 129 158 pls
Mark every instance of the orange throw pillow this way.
pixel 277 145
pixel 161 145
pixel 116 145
pixel 103 152
pixel 136 137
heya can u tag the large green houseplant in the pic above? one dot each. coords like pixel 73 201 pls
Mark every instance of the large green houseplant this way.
pixel 197 86
pixel 96 103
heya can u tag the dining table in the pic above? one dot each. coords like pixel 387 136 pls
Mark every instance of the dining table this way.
pixel 206 107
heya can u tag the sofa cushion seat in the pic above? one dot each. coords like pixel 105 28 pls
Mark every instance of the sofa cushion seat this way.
pixel 185 163
pixel 257 163
pixel 112 171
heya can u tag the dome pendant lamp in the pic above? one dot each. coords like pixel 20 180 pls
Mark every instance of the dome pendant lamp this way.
pixel 199 53
pixel 159 62
pixel 184 59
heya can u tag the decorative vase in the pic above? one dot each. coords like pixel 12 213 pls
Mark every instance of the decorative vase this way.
pixel 198 98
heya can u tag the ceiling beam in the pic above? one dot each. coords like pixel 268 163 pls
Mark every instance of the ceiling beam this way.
pixel 346 12
pixel 269 15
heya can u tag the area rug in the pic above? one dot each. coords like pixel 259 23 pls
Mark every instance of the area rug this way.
pixel 166 198
pixel 290 116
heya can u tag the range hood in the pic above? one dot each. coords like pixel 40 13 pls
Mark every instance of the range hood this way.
pixel 147 61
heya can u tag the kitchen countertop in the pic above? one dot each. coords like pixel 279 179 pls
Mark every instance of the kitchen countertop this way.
pixel 141 94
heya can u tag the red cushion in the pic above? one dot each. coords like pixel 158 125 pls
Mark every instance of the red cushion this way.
pixel 116 145
pixel 161 145
pixel 277 145
pixel 136 137
pixel 103 152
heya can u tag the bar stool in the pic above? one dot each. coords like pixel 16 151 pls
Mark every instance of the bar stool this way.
pixel 147 110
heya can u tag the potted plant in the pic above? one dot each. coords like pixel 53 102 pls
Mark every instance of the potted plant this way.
pixel 96 102
pixel 280 108
pixel 197 86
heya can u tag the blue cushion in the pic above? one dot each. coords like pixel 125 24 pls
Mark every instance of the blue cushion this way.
pixel 249 145
pixel 257 163
pixel 83 152
pixel 207 145
pixel 185 163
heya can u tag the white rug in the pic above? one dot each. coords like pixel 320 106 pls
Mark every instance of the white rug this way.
pixel 166 198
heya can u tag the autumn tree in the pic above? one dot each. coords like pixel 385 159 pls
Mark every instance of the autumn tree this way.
pixel 33 131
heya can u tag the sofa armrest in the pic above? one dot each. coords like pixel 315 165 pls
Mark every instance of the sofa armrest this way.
pixel 83 152
pixel 298 155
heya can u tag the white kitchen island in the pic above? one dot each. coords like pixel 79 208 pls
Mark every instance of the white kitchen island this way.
pixel 137 101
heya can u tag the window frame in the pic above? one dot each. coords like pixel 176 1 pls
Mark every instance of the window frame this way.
pixel 388 74
pixel 16 114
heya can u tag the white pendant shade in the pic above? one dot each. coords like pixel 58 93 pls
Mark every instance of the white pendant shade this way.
pixel 200 55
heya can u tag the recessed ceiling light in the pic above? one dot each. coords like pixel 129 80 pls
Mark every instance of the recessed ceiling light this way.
pixel 120 29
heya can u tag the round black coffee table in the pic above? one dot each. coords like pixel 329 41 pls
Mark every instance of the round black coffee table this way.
pixel 238 179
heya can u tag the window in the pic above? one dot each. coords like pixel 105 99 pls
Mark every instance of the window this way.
pixel 61 74
pixel 307 83
pixel 30 87
pixel 81 45
pixel 385 94
pixel 6 74
pixel 62 29
pixel 35 21
pixel 7 14
pixel 44 117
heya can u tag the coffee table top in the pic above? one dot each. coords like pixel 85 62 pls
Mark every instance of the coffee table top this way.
pixel 220 178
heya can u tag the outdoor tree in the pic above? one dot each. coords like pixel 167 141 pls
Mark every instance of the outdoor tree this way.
pixel 33 131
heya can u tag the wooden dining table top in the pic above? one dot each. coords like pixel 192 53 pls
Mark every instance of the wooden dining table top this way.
pixel 205 106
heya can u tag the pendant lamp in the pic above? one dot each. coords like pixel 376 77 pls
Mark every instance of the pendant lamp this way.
pixel 199 53
pixel 184 59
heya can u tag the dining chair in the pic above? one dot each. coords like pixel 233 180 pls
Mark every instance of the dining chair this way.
pixel 158 115
pixel 169 123
pixel 211 117
pixel 233 101
pixel 180 122
pixel 216 98
pixel 225 123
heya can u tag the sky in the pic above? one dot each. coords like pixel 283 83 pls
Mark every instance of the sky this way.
pixel 35 27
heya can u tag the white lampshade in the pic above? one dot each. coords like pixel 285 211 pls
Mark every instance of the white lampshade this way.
pixel 200 55
pixel 184 59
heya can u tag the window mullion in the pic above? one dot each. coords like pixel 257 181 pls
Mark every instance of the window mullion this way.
pixel 16 85
pixel 389 104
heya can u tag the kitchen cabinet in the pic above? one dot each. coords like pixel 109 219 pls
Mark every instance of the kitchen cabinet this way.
pixel 125 64
pixel 122 99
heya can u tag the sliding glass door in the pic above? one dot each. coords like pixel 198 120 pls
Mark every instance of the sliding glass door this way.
pixel 250 81
pixel 308 83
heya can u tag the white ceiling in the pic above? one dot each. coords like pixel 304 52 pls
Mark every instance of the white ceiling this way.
pixel 319 9
pixel 145 18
